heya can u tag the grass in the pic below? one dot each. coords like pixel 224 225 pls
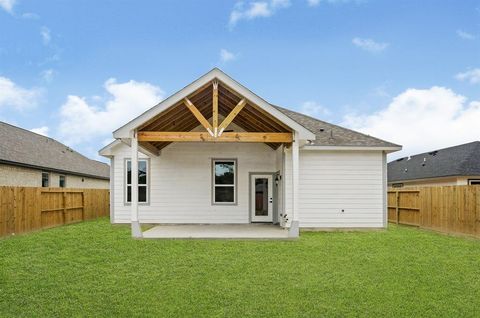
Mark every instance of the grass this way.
pixel 96 269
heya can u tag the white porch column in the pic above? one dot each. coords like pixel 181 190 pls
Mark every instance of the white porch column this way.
pixel 294 225
pixel 136 230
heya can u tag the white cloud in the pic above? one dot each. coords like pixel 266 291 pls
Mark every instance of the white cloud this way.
pixel 30 15
pixel 370 45
pixel 81 121
pixel 41 130
pixel 314 109
pixel 422 120
pixel 256 9
pixel 465 35
pixel 7 5
pixel 227 56
pixel 12 95
pixel 46 36
pixel 472 76
pixel 47 75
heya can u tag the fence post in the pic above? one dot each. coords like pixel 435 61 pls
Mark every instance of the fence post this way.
pixel 83 205
pixel 64 195
pixel 397 210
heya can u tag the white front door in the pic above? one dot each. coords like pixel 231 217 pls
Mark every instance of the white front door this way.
pixel 261 191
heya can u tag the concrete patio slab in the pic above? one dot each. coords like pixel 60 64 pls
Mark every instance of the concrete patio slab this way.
pixel 217 231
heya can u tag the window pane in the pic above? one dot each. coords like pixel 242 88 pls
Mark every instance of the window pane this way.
pixel 224 194
pixel 142 194
pixel 129 172
pixel 142 172
pixel 61 181
pixel 45 181
pixel 129 194
pixel 224 172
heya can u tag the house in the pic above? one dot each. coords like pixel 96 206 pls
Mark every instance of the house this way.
pixel 458 165
pixel 31 160
pixel 216 153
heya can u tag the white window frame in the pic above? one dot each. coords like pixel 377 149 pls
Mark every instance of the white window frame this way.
pixel 234 185
pixel 146 185
pixel 472 180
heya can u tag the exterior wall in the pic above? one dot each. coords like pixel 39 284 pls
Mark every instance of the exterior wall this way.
pixel 448 181
pixel 27 177
pixel 181 182
pixel 332 181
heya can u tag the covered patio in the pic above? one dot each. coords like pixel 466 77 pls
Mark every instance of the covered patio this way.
pixel 217 231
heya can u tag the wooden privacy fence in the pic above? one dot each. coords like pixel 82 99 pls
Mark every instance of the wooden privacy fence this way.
pixel 450 209
pixel 25 209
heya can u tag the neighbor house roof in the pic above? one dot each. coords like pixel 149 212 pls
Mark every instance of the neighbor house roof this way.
pixel 25 148
pixel 461 160
pixel 332 135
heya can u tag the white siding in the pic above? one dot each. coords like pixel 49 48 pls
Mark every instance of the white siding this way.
pixel 332 181
pixel 181 179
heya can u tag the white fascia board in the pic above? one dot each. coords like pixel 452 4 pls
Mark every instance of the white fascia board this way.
pixel 124 131
pixel 353 148
pixel 108 151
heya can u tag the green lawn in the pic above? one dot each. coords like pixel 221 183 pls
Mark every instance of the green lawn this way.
pixel 96 269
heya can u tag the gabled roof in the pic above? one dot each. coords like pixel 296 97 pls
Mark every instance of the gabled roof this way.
pixel 25 148
pixel 171 115
pixel 332 135
pixel 461 160
pixel 124 131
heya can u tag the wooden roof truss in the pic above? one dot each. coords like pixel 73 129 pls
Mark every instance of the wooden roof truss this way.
pixel 175 124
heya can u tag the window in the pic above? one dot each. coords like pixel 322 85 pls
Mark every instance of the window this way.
pixel 45 179
pixel 474 181
pixel 224 181
pixel 61 181
pixel 142 181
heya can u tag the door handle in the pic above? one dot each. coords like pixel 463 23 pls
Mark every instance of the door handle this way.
pixel 270 200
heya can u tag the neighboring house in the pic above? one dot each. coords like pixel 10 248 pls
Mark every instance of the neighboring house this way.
pixel 214 152
pixel 31 160
pixel 458 165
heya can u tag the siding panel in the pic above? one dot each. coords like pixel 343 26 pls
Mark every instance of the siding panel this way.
pixel 181 179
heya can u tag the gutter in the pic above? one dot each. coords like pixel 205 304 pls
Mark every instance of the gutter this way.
pixel 47 169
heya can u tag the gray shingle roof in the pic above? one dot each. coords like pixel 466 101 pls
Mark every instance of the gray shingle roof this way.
pixel 23 147
pixel 332 135
pixel 461 160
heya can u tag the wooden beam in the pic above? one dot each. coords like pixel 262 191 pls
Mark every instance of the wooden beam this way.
pixel 169 136
pixel 198 115
pixel 149 147
pixel 215 108
pixel 231 116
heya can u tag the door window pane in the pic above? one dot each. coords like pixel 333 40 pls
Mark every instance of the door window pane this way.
pixel 261 196
pixel 224 194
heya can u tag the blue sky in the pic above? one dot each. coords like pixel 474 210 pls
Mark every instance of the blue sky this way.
pixel 405 71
